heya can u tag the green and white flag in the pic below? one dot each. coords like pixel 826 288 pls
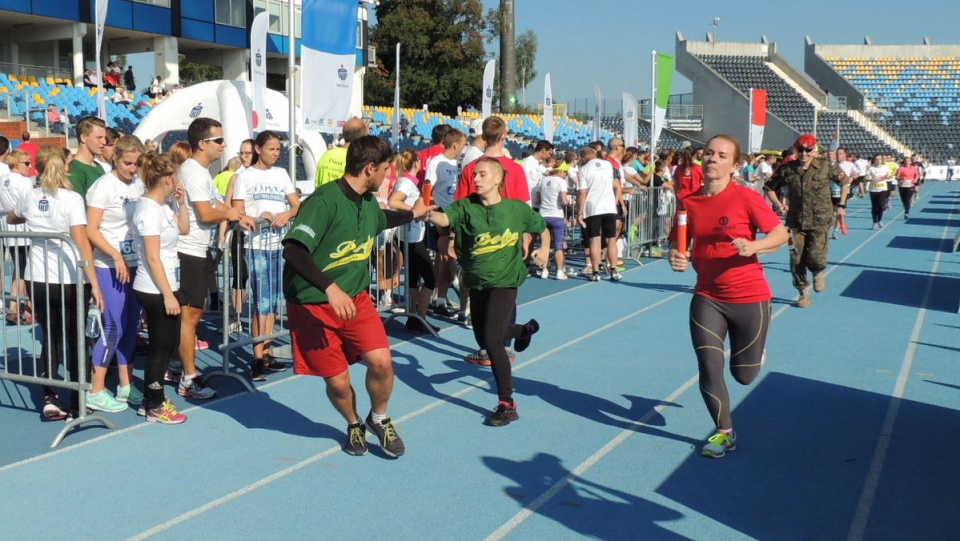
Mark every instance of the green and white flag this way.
pixel 662 79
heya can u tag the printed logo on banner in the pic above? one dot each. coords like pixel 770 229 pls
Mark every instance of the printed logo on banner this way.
pixel 549 102
pixel 489 92
pixel 259 59
pixel 43 205
pixel 195 112
pixel 629 114
pixel 269 115
pixel 342 73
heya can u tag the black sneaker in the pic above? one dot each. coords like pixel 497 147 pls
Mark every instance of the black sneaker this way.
pixel 53 408
pixel 444 310
pixel 356 443
pixel 257 372
pixel 529 329
pixel 390 442
pixel 272 364
pixel 505 414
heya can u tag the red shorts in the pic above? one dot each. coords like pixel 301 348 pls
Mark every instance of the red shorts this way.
pixel 325 345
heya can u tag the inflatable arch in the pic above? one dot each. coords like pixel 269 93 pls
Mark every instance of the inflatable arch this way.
pixel 230 103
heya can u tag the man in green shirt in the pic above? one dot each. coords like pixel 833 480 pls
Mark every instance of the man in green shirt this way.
pixel 333 162
pixel 333 322
pixel 92 136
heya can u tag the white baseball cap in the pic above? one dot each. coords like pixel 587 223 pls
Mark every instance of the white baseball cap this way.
pixel 476 127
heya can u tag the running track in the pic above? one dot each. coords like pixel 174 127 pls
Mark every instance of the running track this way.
pixel 850 432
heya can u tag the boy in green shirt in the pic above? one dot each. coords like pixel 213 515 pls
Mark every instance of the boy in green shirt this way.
pixel 92 137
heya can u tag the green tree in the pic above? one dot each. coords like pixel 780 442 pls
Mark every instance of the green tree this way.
pixel 192 73
pixel 441 54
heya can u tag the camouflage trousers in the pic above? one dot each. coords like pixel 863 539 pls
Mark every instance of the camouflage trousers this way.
pixel 809 254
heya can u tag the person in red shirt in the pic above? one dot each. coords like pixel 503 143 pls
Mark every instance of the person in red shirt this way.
pixel 31 149
pixel 908 180
pixel 731 296
pixel 688 176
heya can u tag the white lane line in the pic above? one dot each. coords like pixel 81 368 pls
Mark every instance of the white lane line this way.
pixel 436 403
pixel 582 468
pixel 868 494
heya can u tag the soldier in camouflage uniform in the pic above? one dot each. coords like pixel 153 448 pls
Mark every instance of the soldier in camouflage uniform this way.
pixel 809 211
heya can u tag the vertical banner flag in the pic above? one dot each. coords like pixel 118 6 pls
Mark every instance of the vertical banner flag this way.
pixel 258 68
pixel 101 17
pixel 328 56
pixel 631 123
pixel 547 110
pixel 758 118
pixel 486 109
pixel 662 81
pixel 836 137
pixel 596 113
pixel 395 123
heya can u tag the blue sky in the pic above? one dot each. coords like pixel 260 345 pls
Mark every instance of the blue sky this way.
pixel 608 43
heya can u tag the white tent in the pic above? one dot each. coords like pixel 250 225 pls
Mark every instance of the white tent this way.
pixel 230 103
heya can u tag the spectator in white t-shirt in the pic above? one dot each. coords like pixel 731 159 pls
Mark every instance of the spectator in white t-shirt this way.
pixel 14 183
pixel 442 173
pixel 52 272
pixel 111 201
pixel 266 193
pixel 552 201
pixel 533 166
pixel 597 211
pixel 159 219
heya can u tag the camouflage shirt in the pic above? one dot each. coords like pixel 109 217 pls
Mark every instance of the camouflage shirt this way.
pixel 808 192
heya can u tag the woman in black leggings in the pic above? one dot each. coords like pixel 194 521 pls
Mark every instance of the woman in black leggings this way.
pixel 488 231
pixel 159 219
pixel 732 296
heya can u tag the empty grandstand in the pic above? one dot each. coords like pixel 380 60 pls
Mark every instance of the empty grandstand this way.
pixel 911 91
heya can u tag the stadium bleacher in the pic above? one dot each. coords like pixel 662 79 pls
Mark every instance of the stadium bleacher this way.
pixel 918 98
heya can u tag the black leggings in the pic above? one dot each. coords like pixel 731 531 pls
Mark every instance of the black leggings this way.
pixel 493 312
pixel 55 310
pixel 710 322
pixel 421 268
pixel 164 337
pixel 906 197
pixel 878 200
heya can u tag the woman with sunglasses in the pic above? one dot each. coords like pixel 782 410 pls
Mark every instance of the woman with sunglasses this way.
pixel 110 204
pixel 14 186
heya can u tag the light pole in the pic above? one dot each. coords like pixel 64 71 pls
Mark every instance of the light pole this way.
pixel 715 24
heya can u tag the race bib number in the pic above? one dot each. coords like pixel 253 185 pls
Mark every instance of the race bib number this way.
pixel 881 185
pixel 126 249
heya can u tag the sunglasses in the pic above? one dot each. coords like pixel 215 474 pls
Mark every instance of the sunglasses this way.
pixel 217 140
pixel 808 150
pixel 25 163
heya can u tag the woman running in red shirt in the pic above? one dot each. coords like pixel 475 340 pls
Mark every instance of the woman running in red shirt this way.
pixel 731 295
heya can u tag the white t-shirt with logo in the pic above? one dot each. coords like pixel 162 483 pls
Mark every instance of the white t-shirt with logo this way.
pixel 443 173
pixel 264 190
pixel 12 188
pixel 534 170
pixel 551 202
pixel 117 199
pixel 411 193
pixel 199 186
pixel 596 177
pixel 51 261
pixel 150 219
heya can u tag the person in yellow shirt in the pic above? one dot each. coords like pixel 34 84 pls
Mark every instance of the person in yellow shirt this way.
pixel 333 162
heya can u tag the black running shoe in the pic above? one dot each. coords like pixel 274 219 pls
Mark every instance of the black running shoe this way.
pixel 257 372
pixel 505 414
pixel 390 442
pixel 53 409
pixel 272 364
pixel 356 443
pixel 529 329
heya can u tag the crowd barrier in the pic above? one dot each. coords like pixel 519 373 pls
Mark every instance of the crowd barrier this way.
pixel 24 343
pixel 241 252
pixel 649 220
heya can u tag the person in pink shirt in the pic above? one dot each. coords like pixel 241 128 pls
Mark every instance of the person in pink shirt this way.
pixel 907 176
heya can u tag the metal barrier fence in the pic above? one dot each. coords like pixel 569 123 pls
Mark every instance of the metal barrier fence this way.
pixel 250 274
pixel 390 285
pixel 29 353
pixel 649 220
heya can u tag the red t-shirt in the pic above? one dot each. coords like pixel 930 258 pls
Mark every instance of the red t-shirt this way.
pixel 688 181
pixel 712 225
pixel 515 182
pixel 425 156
